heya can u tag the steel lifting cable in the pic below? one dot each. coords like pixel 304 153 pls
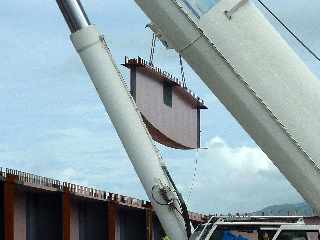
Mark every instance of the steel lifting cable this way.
pixel 153 46
pixel 152 51
pixel 194 177
pixel 290 31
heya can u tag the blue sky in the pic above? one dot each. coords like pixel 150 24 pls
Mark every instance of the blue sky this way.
pixel 53 124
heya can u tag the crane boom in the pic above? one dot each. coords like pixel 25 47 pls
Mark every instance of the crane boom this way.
pixel 126 119
pixel 256 75
pixel 245 63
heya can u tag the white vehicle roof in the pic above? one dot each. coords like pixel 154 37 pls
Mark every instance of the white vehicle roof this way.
pixel 252 223
pixel 300 227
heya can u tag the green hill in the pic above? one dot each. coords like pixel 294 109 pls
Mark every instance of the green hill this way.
pixel 302 209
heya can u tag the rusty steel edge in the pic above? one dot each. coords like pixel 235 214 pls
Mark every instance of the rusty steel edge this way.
pixel 49 184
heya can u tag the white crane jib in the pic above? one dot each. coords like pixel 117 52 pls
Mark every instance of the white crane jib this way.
pixel 247 65
pixel 122 110
pixel 255 74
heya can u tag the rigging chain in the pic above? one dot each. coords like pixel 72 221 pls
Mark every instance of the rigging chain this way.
pixel 153 46
pixel 194 177
pixel 183 78
pixel 152 51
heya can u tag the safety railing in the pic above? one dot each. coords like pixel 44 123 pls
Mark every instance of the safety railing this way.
pixel 39 181
pixel 29 179
pixel 23 177
pixel 85 191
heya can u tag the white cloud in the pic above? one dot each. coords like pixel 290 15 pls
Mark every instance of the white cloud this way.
pixel 230 179
pixel 77 155
pixel 248 160
pixel 233 179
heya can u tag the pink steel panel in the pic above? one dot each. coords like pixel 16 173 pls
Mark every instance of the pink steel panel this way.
pixel 179 122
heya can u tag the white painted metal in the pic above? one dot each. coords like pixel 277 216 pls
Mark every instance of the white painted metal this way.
pixel 127 121
pixel 235 8
pixel 259 79
pixel 275 226
pixel 205 228
pixel 74 14
pixel 214 227
pixel 298 227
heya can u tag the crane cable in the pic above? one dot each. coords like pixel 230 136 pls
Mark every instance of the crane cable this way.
pixel 290 31
pixel 194 177
pixel 151 58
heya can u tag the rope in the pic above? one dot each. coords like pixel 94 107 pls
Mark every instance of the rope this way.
pixel 183 78
pixel 290 31
pixel 152 50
